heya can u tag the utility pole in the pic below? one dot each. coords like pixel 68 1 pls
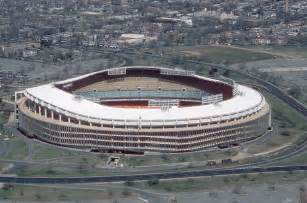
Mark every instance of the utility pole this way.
pixel 286 6
pixel 286 10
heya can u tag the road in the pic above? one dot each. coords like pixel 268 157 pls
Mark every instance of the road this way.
pixel 144 177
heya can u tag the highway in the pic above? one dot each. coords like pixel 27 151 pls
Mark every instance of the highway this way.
pixel 144 177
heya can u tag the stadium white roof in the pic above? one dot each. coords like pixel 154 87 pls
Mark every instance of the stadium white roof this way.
pixel 59 100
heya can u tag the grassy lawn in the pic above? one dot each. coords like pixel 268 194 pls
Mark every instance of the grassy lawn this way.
pixel 55 169
pixel 219 54
pixel 221 182
pixel 2 119
pixel 46 194
pixel 285 116
pixel 296 160
pixel 17 150
pixel 289 126
pixel 290 51
pixel 61 169
pixel 174 158
pixel 44 152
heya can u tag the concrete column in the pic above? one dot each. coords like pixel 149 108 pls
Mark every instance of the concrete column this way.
pixel 270 117
pixel 35 108
pixel 45 112
pixel 40 110
pixel 140 124
pixel 60 117
pixel 52 115
pixel 79 122
pixel 68 119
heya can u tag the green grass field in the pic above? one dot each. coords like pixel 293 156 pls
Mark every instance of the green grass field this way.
pixel 284 115
pixel 18 150
pixel 287 51
pixel 221 182
pixel 22 193
pixel 221 55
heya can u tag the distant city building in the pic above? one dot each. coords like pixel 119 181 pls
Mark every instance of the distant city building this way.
pixel 134 38
pixel 19 49
pixel 120 2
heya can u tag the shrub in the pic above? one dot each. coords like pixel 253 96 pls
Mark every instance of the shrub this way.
pixel 285 133
pixel 129 183
pixel 153 182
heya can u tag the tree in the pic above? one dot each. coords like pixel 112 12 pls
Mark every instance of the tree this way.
pixel 212 71
pixel 164 157
pixel 285 133
pixel 152 182
pixel 237 189
pixel 303 196
pixel 38 196
pixel 125 193
pixel 129 183
pixel 295 91
pixel 178 60
pixel 226 73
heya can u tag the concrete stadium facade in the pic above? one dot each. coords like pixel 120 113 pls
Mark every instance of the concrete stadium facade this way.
pixel 60 114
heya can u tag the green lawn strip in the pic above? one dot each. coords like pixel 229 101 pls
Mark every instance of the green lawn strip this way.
pixel 157 159
pixel 296 160
pixel 291 51
pixel 18 150
pixel 43 152
pixel 222 55
pixel 285 115
pixel 221 182
pixel 46 194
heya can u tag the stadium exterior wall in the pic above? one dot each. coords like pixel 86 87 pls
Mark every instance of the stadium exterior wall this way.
pixel 160 139
pixel 85 125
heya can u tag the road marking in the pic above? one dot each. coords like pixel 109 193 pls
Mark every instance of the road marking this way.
pixel 284 69
pixel 142 199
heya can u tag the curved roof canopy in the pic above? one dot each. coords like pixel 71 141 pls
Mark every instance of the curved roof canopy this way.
pixel 49 95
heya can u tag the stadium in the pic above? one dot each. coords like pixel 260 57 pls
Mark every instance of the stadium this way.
pixel 141 109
